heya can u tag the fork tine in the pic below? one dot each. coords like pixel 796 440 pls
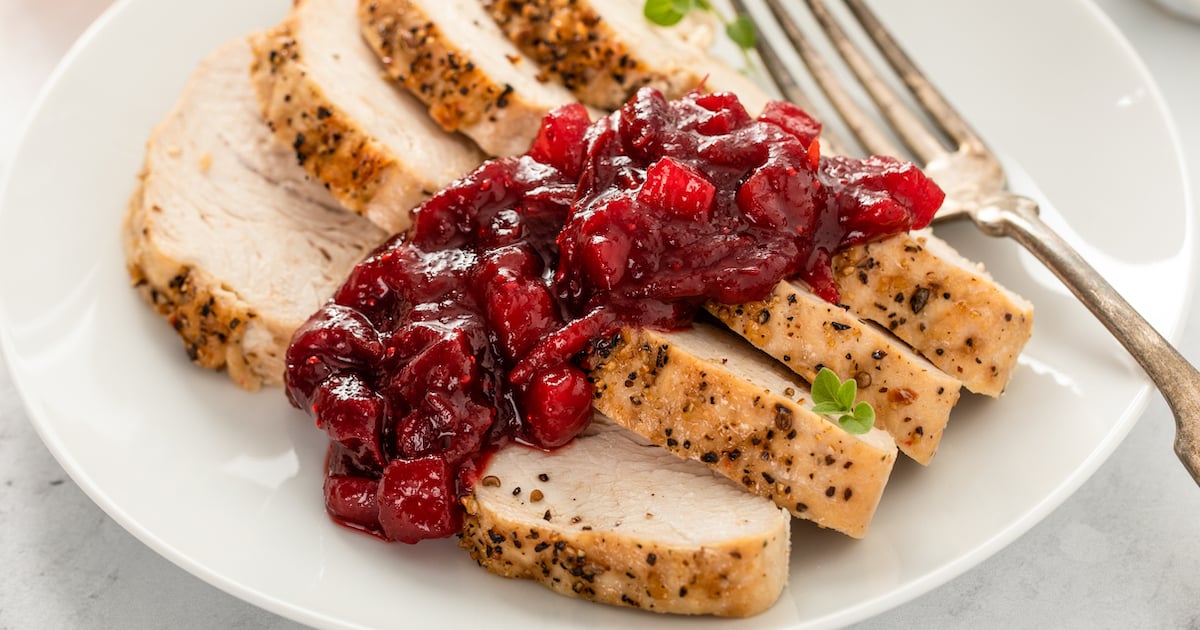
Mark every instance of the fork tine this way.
pixel 936 105
pixel 786 82
pixel 861 125
pixel 913 131
pixel 775 67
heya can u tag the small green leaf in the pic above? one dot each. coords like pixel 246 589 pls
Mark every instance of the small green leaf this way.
pixel 704 4
pixel 865 412
pixel 846 392
pixel 828 408
pixel 834 397
pixel 741 31
pixel 683 6
pixel 662 12
pixel 855 424
pixel 825 388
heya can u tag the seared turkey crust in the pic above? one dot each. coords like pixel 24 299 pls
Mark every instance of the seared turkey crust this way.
pixel 704 395
pixel 453 57
pixel 605 51
pixel 210 319
pixel 372 145
pixel 945 306
pixel 617 520
pixel 225 236
pixel 912 398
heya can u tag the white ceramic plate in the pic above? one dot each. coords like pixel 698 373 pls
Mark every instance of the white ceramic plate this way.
pixel 228 484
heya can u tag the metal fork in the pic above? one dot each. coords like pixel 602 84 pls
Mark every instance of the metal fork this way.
pixel 975 187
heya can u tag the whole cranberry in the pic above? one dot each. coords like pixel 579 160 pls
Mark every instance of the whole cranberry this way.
pixel 793 120
pixel 335 339
pixel 351 500
pixel 417 500
pixel 521 312
pixel 351 413
pixel 558 405
pixel 559 141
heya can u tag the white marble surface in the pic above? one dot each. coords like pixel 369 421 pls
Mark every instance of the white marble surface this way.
pixel 1123 552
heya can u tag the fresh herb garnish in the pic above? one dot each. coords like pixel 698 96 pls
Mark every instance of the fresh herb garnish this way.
pixel 666 12
pixel 669 12
pixel 834 397
pixel 741 31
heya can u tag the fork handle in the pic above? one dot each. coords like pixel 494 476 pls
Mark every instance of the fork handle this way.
pixel 1017 217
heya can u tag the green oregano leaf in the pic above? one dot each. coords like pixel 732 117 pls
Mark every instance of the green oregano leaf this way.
pixel 825 388
pixel 834 398
pixel 827 408
pixel 669 12
pixel 846 393
pixel 664 12
pixel 853 423
pixel 741 31
pixel 865 411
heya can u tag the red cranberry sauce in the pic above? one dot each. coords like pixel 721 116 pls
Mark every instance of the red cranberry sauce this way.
pixel 695 199
pixel 461 335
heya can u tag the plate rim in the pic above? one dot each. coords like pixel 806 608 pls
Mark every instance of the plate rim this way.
pixel 51 440
pixel 908 592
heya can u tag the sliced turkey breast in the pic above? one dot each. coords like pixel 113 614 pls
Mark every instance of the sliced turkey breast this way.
pixel 226 237
pixel 912 398
pixel 947 307
pixel 615 519
pixel 605 51
pixel 453 57
pixel 705 395
pixel 370 142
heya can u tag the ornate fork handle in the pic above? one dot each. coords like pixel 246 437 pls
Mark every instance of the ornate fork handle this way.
pixel 1006 214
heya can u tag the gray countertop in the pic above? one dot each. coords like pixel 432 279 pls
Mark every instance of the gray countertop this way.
pixel 1124 551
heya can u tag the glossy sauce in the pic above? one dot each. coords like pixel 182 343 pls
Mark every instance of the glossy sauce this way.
pixel 461 335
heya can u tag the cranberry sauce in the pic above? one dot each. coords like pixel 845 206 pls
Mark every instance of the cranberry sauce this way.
pixel 461 335
pixel 695 199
